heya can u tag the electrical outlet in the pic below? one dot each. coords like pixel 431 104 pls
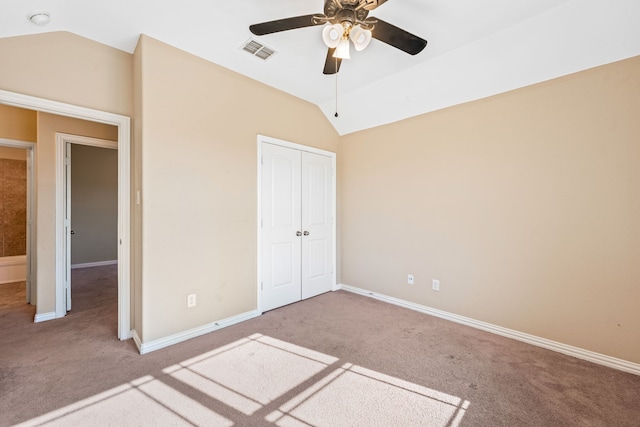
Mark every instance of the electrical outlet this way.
pixel 435 285
pixel 410 279
pixel 191 300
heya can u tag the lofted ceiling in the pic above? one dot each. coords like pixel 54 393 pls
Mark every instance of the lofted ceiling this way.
pixel 475 48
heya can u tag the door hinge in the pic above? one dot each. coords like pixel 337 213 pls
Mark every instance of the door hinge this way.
pixel 262 286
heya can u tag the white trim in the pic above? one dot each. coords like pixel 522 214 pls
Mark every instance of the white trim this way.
pixel 85 140
pixel 124 179
pixel 191 333
pixel 61 307
pixel 62 187
pixel 295 146
pixel 579 353
pixel 93 264
pixel 44 317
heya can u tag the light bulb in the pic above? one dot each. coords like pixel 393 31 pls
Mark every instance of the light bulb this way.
pixel 331 35
pixel 342 51
pixel 360 37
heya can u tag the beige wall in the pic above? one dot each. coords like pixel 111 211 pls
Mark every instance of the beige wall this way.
pixel 48 125
pixel 94 204
pixel 525 206
pixel 17 123
pixel 199 165
pixel 68 68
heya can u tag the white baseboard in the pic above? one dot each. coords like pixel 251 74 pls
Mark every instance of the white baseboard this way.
pixel 590 356
pixel 191 333
pixel 94 264
pixel 43 317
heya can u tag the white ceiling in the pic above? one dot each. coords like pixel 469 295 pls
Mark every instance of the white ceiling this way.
pixel 475 48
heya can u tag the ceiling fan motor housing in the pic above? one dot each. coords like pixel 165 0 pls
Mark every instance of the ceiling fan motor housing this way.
pixel 344 12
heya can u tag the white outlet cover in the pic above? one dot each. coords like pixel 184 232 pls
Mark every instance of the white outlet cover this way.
pixel 191 300
pixel 410 279
pixel 435 285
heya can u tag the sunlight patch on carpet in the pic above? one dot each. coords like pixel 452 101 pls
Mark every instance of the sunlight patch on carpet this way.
pixel 145 401
pixel 355 396
pixel 260 378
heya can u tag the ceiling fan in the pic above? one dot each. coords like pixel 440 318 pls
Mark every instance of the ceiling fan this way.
pixel 346 20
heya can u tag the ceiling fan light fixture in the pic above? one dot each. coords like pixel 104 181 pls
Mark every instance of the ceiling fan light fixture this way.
pixel 360 37
pixel 332 34
pixel 342 51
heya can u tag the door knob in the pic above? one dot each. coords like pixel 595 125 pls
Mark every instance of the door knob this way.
pixel 306 233
pixel 73 232
pixel 298 233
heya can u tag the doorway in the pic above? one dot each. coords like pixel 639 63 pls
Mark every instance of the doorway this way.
pixel 18 266
pixel 89 194
pixel 123 124
pixel 297 228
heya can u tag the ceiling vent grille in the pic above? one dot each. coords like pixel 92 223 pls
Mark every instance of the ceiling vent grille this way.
pixel 258 49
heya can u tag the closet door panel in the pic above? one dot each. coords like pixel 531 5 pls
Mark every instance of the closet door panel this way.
pixel 317 224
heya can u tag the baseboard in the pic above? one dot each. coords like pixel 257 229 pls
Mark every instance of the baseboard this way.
pixel 590 356
pixel 94 264
pixel 43 317
pixel 191 333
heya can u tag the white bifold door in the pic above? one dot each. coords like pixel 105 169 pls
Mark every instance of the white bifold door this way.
pixel 297 225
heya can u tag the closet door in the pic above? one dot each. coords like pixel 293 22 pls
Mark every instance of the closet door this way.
pixel 281 226
pixel 317 224
pixel 296 226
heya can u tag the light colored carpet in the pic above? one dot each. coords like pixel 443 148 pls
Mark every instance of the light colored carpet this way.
pixel 335 360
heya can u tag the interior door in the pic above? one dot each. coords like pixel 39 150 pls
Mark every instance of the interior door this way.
pixel 281 226
pixel 67 225
pixel 317 224
pixel 297 225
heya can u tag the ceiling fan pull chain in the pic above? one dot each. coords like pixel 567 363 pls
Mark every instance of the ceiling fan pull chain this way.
pixel 336 88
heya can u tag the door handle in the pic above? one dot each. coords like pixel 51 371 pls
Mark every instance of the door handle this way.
pixel 306 233
pixel 73 232
pixel 298 233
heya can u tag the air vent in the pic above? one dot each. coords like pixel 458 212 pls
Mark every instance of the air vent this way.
pixel 258 49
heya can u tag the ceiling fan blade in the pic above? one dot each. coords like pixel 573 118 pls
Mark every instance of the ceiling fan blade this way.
pixel 284 25
pixel 331 64
pixel 397 37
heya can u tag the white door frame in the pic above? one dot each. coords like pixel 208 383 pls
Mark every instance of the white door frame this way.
pixel 63 257
pixel 267 139
pixel 30 264
pixel 124 190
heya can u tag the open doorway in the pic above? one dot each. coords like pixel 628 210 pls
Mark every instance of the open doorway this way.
pixel 90 220
pixel 50 246
pixel 16 192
